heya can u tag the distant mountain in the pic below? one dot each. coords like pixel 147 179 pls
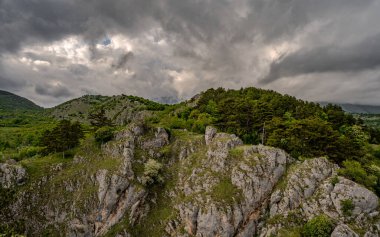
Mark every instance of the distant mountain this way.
pixel 358 108
pixel 361 109
pixel 12 102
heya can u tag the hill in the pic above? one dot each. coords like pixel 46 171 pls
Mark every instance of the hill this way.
pixel 357 108
pixel 246 162
pixel 11 102
pixel 120 109
pixel 361 109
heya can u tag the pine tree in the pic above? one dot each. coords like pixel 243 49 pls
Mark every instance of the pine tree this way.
pixel 99 119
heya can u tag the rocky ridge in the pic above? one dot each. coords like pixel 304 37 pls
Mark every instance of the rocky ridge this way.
pixel 213 186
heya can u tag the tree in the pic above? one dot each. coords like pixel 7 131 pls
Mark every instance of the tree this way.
pixel 64 136
pixel 99 119
pixel 104 134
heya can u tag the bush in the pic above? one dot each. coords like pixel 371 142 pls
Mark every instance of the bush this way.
pixel 319 226
pixel 104 134
pixel 152 174
pixel 347 206
pixel 30 151
pixel 353 170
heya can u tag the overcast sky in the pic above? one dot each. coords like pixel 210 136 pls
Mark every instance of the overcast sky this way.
pixel 320 50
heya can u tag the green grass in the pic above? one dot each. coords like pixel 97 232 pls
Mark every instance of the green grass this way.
pixel 162 211
pixel 290 232
pixel 119 227
pixel 347 206
pixel 236 153
pixel 39 167
pixel 225 192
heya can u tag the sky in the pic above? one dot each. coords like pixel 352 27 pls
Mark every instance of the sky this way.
pixel 55 50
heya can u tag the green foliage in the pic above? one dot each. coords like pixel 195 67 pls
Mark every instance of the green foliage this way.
pixel 356 134
pixel 319 226
pixel 347 206
pixel 6 231
pixel 152 174
pixel 225 192
pixel 353 170
pixel 27 152
pixel 12 102
pixel 301 128
pixel 104 134
pixel 292 219
pixel 64 136
pixel 307 137
pixel 236 153
pixel 150 105
pixel 18 141
pixel 289 232
pixel 99 119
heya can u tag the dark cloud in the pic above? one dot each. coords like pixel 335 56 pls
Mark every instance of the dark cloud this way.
pixel 123 60
pixel 182 47
pixel 364 55
pixel 9 84
pixel 53 90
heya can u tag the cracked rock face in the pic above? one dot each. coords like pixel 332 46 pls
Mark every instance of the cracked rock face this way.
pixel 117 194
pixel 310 191
pixel 11 175
pixel 220 187
pixel 267 182
pixel 252 176
pixel 301 185
pixel 343 230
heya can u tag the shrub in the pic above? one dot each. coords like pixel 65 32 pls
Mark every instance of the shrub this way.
pixel 347 206
pixel 353 170
pixel 152 174
pixel 30 151
pixel 104 134
pixel 319 226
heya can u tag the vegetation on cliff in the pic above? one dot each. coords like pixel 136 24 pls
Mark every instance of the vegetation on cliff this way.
pixel 174 163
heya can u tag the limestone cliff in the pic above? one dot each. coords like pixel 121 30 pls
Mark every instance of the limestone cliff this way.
pixel 209 185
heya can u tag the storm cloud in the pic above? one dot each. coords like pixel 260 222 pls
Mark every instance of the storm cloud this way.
pixel 53 50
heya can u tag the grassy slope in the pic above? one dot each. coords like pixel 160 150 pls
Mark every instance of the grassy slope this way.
pixel 12 102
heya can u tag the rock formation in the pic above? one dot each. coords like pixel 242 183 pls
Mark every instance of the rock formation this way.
pixel 213 186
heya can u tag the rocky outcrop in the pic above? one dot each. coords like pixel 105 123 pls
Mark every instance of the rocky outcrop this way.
pixel 258 182
pixel 343 230
pixel 11 175
pixel 117 198
pixel 301 185
pixel 118 194
pixel 313 188
pixel 248 176
pixel 213 186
